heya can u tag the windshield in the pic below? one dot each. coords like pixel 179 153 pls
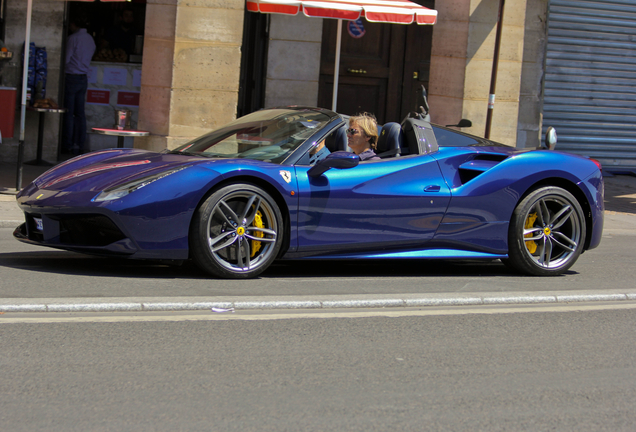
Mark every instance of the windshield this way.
pixel 267 135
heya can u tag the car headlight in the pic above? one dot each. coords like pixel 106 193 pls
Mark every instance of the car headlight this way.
pixel 121 191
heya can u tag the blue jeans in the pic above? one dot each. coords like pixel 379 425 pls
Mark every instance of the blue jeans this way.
pixel 74 132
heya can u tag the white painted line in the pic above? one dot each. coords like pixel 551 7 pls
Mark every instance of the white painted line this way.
pixel 371 303
pixel 389 313
pixel 91 307
pixel 519 299
pixel 590 297
pixel 23 308
pixel 309 302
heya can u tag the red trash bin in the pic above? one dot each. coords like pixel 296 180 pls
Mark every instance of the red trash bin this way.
pixel 7 110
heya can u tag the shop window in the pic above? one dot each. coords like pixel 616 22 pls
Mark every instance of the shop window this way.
pixel 117 27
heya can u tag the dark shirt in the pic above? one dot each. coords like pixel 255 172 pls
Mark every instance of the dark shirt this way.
pixel 368 155
pixel 120 37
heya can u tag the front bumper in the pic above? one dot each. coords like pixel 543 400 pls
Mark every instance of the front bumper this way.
pixel 89 233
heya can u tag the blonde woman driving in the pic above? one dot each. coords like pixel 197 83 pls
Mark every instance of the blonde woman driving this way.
pixel 362 136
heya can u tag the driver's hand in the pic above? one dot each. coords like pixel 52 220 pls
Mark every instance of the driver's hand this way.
pixel 317 148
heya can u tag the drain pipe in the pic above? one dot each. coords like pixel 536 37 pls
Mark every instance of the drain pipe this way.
pixel 495 66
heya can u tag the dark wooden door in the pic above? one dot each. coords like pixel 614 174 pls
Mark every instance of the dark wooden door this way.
pixel 376 70
pixel 371 68
pixel 417 63
pixel 253 63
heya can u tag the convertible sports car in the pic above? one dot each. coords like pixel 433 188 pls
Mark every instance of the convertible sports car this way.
pixel 279 184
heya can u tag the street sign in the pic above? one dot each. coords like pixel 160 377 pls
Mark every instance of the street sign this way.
pixel 356 28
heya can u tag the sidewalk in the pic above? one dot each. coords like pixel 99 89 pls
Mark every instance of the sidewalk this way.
pixel 10 214
pixel 8 176
pixel 620 193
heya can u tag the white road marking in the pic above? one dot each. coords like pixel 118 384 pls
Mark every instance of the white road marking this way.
pixel 49 317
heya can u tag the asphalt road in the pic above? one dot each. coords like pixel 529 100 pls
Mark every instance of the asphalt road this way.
pixel 566 367
pixel 570 369
pixel 31 272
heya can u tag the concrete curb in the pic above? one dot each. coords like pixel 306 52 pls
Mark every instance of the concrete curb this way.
pixel 327 302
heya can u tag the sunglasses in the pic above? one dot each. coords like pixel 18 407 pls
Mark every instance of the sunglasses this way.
pixel 352 131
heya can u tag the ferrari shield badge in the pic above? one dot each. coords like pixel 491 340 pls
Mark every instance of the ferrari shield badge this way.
pixel 286 175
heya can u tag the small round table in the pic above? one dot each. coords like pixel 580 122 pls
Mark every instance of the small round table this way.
pixel 38 159
pixel 121 133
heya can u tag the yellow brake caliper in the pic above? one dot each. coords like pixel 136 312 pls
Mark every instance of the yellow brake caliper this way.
pixel 258 223
pixel 531 245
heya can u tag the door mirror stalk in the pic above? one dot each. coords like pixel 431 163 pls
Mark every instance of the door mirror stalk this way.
pixel 338 160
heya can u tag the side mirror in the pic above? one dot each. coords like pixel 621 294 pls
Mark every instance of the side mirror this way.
pixel 339 160
pixel 424 109
pixel 550 138
pixel 463 123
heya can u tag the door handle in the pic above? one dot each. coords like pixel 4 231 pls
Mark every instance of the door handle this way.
pixel 432 188
pixel 356 71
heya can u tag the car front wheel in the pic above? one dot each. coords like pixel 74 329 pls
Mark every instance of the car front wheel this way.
pixel 237 232
pixel 547 232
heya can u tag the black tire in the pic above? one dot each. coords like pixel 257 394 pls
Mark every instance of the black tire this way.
pixel 237 232
pixel 547 232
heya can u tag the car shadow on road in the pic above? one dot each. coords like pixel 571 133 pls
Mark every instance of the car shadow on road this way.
pixel 391 268
pixel 71 263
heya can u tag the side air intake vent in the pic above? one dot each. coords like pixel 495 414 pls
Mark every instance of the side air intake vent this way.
pixel 475 167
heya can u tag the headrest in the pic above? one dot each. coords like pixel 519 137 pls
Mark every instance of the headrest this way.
pixel 337 140
pixel 390 138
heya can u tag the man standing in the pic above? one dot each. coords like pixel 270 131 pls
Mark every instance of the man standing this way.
pixel 122 36
pixel 80 48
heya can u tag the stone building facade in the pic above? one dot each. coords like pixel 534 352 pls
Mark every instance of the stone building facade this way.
pixel 192 58
pixel 190 83
pixel 191 68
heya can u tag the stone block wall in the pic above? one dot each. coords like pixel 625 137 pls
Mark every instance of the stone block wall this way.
pixel 191 69
pixel 481 46
pixel 448 61
pixel 462 61
pixel 293 63
pixel 531 93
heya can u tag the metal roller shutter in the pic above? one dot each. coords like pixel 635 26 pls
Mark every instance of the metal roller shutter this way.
pixel 590 79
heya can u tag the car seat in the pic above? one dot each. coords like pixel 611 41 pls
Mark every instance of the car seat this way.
pixel 390 141
pixel 337 140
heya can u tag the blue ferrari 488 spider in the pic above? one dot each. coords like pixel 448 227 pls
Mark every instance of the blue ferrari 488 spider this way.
pixel 280 184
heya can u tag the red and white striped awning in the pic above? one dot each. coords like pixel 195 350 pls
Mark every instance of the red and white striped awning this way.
pixel 382 11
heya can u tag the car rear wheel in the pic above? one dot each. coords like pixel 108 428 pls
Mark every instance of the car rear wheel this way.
pixel 547 232
pixel 237 232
